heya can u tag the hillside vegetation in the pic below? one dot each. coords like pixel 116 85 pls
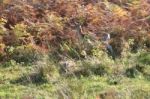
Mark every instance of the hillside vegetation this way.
pixel 54 49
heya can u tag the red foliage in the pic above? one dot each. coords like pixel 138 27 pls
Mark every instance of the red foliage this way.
pixel 94 16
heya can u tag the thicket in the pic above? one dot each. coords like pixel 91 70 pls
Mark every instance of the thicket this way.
pixel 67 27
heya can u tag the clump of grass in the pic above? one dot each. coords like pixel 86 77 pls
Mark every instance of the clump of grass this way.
pixel 32 78
pixel 132 72
pixel 25 54
pixel 140 94
pixel 114 79
pixel 145 58
pixel 43 71
pixel 9 63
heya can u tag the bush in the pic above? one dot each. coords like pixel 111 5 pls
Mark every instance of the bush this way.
pixel 34 78
pixel 25 54
pixel 132 72
pixel 145 58
pixel 44 70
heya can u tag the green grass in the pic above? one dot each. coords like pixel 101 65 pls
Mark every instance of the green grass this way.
pixel 76 88
pixel 113 83
pixel 145 58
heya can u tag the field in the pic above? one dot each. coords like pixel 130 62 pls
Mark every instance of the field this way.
pixel 56 49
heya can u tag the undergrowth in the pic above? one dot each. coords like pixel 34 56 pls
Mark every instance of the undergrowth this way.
pixel 54 49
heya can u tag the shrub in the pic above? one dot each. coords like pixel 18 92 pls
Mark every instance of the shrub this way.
pixel 34 78
pixel 44 70
pixel 145 58
pixel 25 54
pixel 132 72
pixel 9 63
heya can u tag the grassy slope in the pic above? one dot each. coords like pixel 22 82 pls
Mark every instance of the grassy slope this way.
pixel 85 87
pixel 88 87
